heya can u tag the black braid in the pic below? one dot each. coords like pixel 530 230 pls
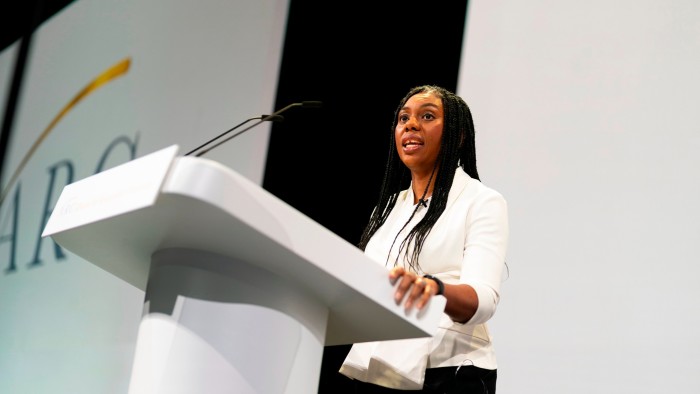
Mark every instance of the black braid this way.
pixel 458 148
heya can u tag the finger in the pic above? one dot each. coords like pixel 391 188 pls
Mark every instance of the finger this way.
pixel 396 273
pixel 404 286
pixel 417 290
pixel 424 297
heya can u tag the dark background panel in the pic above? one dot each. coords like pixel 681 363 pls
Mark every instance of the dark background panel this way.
pixel 359 60
pixel 18 17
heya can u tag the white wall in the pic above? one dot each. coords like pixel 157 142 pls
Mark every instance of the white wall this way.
pixel 197 68
pixel 588 121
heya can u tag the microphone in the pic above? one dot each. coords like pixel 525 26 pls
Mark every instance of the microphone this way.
pixel 271 118
pixel 274 117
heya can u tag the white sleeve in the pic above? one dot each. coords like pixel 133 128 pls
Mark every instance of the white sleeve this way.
pixel 485 251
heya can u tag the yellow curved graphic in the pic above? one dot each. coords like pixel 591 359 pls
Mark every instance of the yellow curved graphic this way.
pixel 108 75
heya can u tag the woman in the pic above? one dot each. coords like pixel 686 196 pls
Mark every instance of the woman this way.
pixel 441 232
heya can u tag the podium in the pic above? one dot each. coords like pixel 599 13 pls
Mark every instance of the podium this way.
pixel 242 291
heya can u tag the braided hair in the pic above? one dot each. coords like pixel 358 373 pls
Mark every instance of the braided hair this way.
pixel 457 148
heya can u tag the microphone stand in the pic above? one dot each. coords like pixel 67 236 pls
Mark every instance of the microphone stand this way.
pixel 272 116
pixel 221 135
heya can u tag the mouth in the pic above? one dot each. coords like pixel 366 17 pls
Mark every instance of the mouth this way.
pixel 411 145
pixel 411 142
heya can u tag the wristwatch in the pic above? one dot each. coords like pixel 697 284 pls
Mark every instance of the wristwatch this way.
pixel 441 286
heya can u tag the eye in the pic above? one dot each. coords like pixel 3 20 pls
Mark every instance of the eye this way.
pixel 403 118
pixel 428 116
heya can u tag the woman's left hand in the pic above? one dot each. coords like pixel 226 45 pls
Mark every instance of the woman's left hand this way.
pixel 412 290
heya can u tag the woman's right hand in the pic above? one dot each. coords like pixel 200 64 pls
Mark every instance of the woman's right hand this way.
pixel 412 290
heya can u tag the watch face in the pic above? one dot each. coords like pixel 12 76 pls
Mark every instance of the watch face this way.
pixel 440 284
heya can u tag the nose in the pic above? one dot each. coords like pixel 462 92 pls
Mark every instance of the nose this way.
pixel 411 124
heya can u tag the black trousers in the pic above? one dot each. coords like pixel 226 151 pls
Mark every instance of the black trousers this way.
pixel 445 380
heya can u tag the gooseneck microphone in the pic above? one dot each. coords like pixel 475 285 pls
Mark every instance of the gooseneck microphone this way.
pixel 274 117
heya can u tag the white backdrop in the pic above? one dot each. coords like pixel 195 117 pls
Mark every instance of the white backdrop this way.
pixel 66 326
pixel 588 121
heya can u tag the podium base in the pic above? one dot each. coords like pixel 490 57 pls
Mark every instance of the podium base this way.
pixel 215 325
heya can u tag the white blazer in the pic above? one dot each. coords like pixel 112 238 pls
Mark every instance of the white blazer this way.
pixel 468 245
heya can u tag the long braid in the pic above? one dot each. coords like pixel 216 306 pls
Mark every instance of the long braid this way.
pixel 411 234
pixel 457 149
pixel 468 151
pixel 394 176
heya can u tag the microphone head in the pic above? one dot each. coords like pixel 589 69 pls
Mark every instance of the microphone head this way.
pixel 272 118
pixel 311 104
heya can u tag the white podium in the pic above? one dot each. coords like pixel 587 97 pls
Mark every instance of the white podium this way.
pixel 242 291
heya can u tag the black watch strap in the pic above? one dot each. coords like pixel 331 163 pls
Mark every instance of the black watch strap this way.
pixel 441 286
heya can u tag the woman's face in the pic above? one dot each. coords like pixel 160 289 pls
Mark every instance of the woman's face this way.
pixel 418 132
